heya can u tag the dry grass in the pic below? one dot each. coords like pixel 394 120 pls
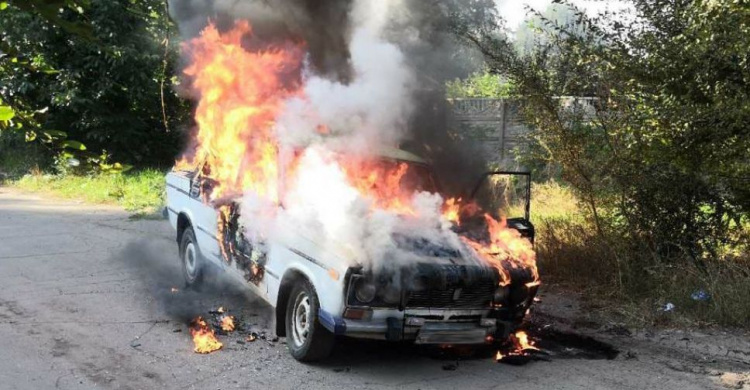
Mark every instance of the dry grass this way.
pixel 624 279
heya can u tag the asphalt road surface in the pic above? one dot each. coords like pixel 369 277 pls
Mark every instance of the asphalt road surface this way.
pixel 85 302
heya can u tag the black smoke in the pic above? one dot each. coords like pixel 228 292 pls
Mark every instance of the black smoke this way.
pixel 424 30
pixel 158 268
pixel 323 25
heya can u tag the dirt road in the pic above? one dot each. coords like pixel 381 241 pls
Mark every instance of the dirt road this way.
pixel 85 303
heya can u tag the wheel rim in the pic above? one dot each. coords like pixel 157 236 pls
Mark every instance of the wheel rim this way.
pixel 190 260
pixel 302 318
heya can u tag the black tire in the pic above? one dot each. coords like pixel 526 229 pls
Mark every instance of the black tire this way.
pixel 318 341
pixel 190 258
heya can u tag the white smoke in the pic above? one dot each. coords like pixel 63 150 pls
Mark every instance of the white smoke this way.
pixel 373 108
pixel 323 207
pixel 363 116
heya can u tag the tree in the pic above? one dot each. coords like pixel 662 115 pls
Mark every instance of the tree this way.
pixel 479 85
pixel 535 29
pixel 95 71
pixel 662 155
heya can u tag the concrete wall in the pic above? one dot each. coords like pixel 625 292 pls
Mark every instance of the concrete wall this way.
pixel 496 125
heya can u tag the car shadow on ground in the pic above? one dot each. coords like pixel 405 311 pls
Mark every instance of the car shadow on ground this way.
pixel 351 352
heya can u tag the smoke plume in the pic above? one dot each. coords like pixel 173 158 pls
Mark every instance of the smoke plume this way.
pixel 323 25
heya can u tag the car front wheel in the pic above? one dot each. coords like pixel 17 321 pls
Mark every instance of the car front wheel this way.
pixel 307 339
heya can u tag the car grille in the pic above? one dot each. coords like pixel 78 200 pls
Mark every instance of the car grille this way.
pixel 476 295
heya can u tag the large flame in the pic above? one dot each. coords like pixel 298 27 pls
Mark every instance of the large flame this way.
pixel 241 94
pixel 382 184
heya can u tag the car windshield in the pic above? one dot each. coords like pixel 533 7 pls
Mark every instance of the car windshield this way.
pixel 417 178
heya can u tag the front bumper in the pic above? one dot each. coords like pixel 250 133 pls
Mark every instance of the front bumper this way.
pixel 422 328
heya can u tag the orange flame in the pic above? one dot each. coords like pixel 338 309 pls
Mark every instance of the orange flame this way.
pixel 203 337
pixel 241 93
pixel 506 248
pixel 520 346
pixel 523 341
pixel 227 323
pixel 451 209
pixel 381 183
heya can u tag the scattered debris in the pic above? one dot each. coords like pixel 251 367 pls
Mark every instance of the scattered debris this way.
pixel 700 295
pixel 521 359
pixel 450 366
pixel 342 369
pixel 733 380
pixel 560 344
pixel 667 307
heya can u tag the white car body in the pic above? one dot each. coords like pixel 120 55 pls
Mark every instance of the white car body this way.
pixel 427 325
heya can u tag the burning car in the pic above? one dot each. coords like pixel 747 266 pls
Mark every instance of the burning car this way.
pixel 470 280
pixel 293 183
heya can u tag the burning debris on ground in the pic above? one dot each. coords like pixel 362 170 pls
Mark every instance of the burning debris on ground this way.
pixel 203 337
pixel 518 349
pixel 220 322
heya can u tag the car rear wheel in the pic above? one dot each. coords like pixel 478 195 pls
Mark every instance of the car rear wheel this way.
pixel 307 339
pixel 190 255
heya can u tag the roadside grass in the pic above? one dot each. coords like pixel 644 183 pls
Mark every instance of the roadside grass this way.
pixel 141 192
pixel 627 282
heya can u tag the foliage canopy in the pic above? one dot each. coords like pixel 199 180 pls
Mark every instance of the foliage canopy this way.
pixel 91 75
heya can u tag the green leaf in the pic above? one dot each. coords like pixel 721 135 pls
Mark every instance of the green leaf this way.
pixel 73 145
pixel 30 135
pixel 55 134
pixel 3 5
pixel 6 113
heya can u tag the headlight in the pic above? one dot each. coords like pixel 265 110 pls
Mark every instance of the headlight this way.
pixel 391 295
pixel 364 291
pixel 501 294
